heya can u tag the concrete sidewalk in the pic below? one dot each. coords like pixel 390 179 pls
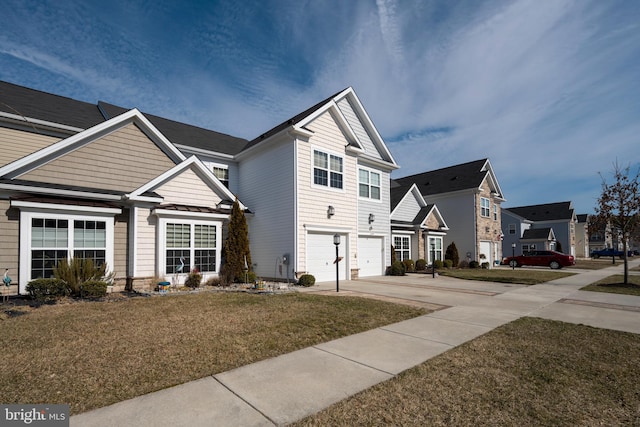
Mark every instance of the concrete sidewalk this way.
pixel 287 388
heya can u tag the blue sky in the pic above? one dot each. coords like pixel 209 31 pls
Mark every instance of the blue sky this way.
pixel 549 90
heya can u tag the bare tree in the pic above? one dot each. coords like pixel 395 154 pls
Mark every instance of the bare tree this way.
pixel 618 209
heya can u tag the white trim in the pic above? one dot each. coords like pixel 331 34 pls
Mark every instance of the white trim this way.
pixel 205 173
pixel 326 229
pixel 329 153
pixel 54 151
pixel 59 192
pixel 26 215
pixel 62 207
pixel 204 152
pixel 133 241
pixel 48 124
pixel 161 249
pixel 185 215
pixel 370 171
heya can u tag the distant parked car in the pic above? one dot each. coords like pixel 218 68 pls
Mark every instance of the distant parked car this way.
pixel 607 252
pixel 550 259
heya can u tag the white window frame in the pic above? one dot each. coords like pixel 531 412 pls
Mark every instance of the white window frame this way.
pixel 370 172
pixel 485 211
pixel 224 181
pixel 167 218
pixel 328 170
pixel 495 211
pixel 402 250
pixel 105 215
pixel 438 250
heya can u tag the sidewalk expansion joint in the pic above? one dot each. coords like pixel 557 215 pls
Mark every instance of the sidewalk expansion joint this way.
pixel 439 288
pixel 600 305
pixel 354 361
pixel 244 400
pixel 422 338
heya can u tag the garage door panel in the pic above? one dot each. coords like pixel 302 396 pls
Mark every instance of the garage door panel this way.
pixel 321 253
pixel 370 256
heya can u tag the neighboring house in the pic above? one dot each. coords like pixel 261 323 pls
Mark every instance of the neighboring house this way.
pixel 417 228
pixel 549 226
pixel 582 236
pixel 69 164
pixel 468 195
pixel 118 192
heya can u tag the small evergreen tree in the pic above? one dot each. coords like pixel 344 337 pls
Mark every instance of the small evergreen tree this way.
pixel 452 254
pixel 558 246
pixel 236 247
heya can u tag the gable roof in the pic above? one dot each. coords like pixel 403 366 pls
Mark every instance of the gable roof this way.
pixel 37 109
pixel 464 176
pixel 184 134
pixel 299 121
pixel 538 234
pixel 544 212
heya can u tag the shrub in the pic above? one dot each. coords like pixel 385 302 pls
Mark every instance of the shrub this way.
pixel 421 265
pixel 463 264
pixel 474 264
pixel 93 289
pixel 193 279
pixel 397 269
pixel 448 263
pixel 47 289
pixel 307 280
pixel 251 277
pixel 213 281
pixel 438 264
pixel 485 265
pixel 79 270
pixel 452 254
pixel 408 265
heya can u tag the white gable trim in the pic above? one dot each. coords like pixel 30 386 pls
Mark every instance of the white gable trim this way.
pixel 52 152
pixel 416 193
pixel 362 113
pixel 493 180
pixel 203 172
pixel 436 212
pixel 342 120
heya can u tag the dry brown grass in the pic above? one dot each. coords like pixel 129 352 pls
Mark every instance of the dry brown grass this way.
pixel 93 354
pixel 615 285
pixel 505 275
pixel 531 372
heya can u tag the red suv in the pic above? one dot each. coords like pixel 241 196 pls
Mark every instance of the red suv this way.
pixel 551 259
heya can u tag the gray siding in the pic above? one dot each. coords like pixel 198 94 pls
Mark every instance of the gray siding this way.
pixel 9 242
pixel 407 209
pixel 356 125
pixel 458 212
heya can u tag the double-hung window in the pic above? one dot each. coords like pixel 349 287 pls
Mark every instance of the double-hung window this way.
pixel 485 207
pixel 327 169
pixel 369 184
pixel 222 174
pixel 435 249
pixel 401 247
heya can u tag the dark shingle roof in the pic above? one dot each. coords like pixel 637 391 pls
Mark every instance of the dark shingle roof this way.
pixel 453 178
pixel 397 192
pixel 34 104
pixel 292 121
pixel 184 134
pixel 582 218
pixel 536 234
pixel 544 212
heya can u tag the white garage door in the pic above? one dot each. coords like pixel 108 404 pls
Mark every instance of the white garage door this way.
pixel 321 252
pixel 370 256
pixel 485 249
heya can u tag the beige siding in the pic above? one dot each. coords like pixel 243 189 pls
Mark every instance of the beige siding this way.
pixel 188 189
pixel 120 242
pixel 313 200
pixel 122 160
pixel 146 243
pixel 9 242
pixel 16 144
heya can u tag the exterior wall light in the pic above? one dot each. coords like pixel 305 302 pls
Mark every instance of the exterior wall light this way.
pixel 331 211
pixel 372 218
